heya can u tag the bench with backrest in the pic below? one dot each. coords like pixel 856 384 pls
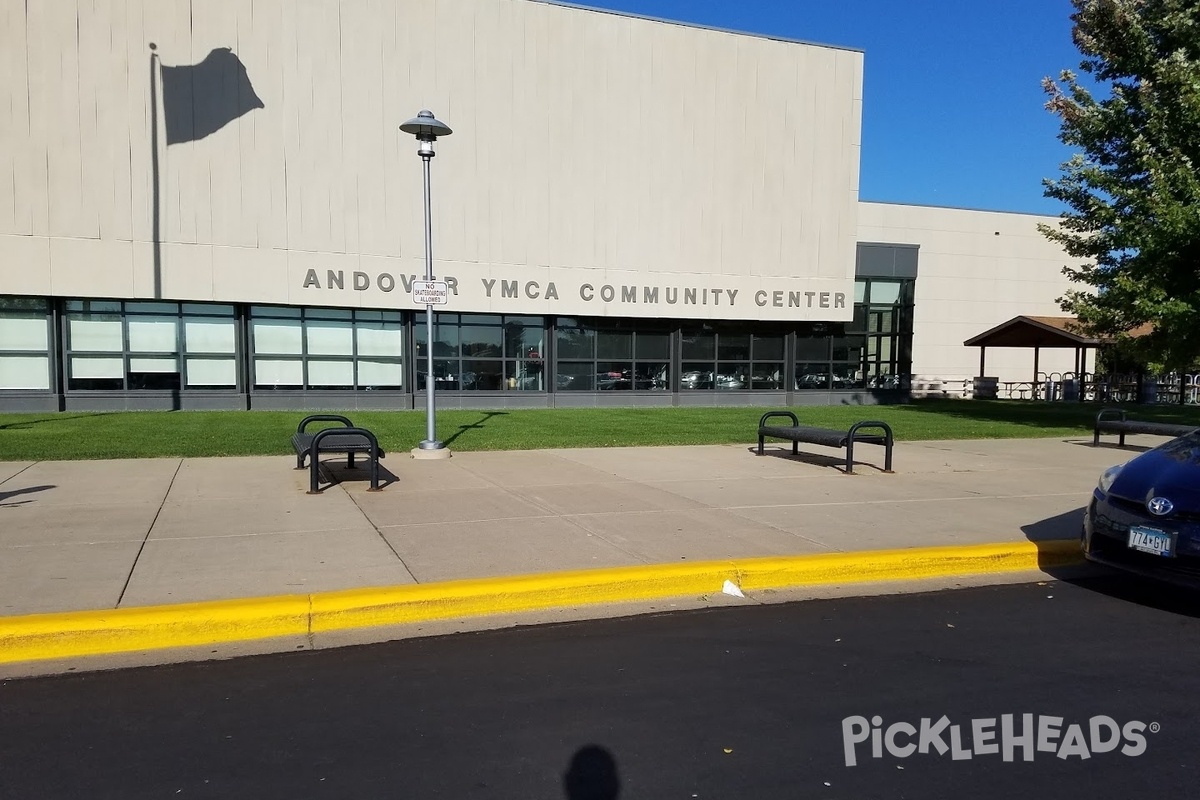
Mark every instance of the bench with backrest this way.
pixel 346 439
pixel 829 437
pixel 1113 420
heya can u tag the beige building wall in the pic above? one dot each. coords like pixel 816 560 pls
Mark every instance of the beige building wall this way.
pixel 590 149
pixel 976 269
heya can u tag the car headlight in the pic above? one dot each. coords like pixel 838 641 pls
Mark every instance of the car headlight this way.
pixel 1110 475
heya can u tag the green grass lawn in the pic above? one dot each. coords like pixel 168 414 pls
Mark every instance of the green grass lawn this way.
pixel 28 437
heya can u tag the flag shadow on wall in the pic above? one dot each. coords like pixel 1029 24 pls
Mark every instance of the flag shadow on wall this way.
pixel 197 101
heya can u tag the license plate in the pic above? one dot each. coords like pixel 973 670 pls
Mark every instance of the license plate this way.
pixel 1152 540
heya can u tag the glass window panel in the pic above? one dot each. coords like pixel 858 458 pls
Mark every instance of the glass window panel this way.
pixel 652 345
pixel 153 365
pixel 95 306
pixel 330 338
pixel 209 335
pixel 576 376
pixel 731 375
pixel 380 339
pixel 445 343
pixel 445 375
pixel 380 374
pixel 700 345
pixel 277 337
pixel 812 348
pixel 614 344
pixel 812 376
pixel 481 319
pixel 860 291
pixel 85 367
pixel 152 308
pixel 860 319
pixel 275 311
pixel 96 335
pixel 482 342
pixel 24 372
pixel 847 376
pixel 768 347
pixel 654 375
pixel 848 348
pixel 882 321
pixel 696 375
pixel 277 374
pixel 766 375
pixel 30 304
pixel 884 292
pixel 614 375
pixel 217 372
pixel 208 309
pixel 576 343
pixel 153 334
pixel 734 346
pixel 482 375
pixel 528 322
pixel 330 374
pixel 885 349
pixel 523 339
pixel 329 313
pixel 24 333
pixel 525 376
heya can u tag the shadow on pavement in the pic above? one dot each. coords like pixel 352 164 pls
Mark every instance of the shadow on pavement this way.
pixel 592 775
pixel 335 471
pixel 1110 582
pixel 4 496
pixel 1131 449
pixel 816 459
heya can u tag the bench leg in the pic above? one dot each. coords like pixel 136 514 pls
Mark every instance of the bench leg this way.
pixel 314 476
pixel 760 444
pixel 795 448
pixel 850 456
pixel 300 459
pixel 1122 438
pixel 350 460
pixel 1096 438
pixel 374 471
pixel 887 458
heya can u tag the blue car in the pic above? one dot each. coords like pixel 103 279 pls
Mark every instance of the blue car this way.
pixel 1144 515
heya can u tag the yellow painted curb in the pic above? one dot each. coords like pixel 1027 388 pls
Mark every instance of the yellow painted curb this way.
pixel 48 636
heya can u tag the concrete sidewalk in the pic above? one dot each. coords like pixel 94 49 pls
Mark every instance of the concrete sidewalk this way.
pixel 101 535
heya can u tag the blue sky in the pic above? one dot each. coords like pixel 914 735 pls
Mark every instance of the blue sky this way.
pixel 953 107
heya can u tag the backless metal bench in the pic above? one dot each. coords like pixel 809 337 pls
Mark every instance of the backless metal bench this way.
pixel 1113 420
pixel 827 437
pixel 346 439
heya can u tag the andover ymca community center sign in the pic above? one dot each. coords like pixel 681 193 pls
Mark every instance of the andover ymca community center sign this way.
pixel 596 292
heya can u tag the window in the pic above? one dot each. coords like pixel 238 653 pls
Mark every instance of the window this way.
pixel 727 355
pixel 874 351
pixel 612 355
pixel 24 343
pixel 483 352
pixel 150 345
pixel 326 348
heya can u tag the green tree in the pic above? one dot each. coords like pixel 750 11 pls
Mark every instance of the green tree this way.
pixel 1132 189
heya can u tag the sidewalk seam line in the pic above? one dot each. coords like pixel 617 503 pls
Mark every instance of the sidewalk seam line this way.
pixel 386 543
pixel 28 466
pixel 146 538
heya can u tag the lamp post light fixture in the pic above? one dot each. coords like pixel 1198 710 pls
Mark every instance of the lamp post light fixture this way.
pixel 427 129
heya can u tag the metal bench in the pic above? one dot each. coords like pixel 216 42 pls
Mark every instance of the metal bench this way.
pixel 828 437
pixel 346 439
pixel 1116 422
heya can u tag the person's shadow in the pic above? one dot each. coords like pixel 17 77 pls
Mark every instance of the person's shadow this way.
pixel 592 775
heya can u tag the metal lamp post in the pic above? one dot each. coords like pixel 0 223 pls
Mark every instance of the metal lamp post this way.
pixel 427 129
